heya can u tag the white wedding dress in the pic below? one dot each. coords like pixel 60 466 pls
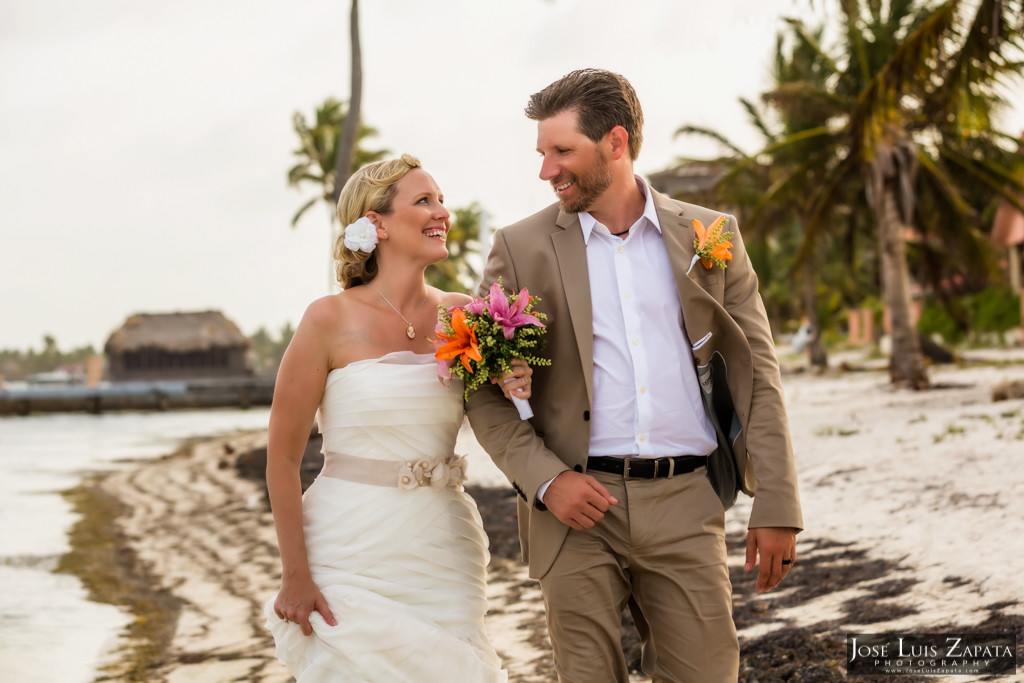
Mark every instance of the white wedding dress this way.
pixel 402 567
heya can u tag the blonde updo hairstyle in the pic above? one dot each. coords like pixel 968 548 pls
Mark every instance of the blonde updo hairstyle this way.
pixel 371 188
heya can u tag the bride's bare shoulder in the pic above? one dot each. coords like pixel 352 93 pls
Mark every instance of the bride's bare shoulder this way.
pixel 335 310
pixel 343 324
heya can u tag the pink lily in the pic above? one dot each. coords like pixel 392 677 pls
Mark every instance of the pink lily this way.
pixel 510 317
pixel 476 306
pixel 444 367
pixel 444 370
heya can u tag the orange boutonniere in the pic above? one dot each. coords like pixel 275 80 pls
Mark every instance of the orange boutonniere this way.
pixel 711 244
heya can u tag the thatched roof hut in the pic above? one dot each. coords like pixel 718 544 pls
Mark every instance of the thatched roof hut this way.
pixel 177 346
pixel 691 181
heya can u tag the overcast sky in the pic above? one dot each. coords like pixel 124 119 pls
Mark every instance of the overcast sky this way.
pixel 144 145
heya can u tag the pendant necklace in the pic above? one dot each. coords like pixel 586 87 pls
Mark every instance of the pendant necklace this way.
pixel 410 332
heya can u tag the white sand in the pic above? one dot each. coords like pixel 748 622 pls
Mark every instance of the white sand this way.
pixel 932 480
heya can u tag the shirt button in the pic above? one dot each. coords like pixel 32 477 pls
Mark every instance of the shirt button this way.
pixel 629 295
pixel 641 438
pixel 622 250
pixel 643 390
pixel 635 341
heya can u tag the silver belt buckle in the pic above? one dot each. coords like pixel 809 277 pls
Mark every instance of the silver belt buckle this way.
pixel 625 468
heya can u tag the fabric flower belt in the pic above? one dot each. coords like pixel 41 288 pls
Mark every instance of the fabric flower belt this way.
pixel 437 472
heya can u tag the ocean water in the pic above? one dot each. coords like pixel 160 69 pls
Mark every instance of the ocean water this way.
pixel 49 631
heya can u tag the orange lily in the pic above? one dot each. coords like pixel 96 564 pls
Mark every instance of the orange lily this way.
pixel 461 343
pixel 711 244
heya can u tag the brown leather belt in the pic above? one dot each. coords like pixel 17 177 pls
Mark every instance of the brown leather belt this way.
pixel 647 468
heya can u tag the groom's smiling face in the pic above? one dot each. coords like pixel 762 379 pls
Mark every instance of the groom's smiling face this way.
pixel 573 163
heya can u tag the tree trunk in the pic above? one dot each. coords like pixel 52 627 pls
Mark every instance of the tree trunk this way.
pixel 350 132
pixel 818 354
pixel 906 364
pixel 333 231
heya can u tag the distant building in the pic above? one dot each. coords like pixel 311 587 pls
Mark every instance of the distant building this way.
pixel 171 346
pixel 69 373
pixel 693 182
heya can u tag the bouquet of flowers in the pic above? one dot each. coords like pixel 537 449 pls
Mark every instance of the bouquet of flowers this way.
pixel 485 335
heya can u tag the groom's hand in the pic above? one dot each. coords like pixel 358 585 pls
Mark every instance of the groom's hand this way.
pixel 775 548
pixel 578 499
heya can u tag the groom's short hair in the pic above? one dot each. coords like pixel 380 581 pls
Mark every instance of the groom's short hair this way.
pixel 601 99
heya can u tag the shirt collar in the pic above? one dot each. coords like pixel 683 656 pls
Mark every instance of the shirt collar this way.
pixel 588 223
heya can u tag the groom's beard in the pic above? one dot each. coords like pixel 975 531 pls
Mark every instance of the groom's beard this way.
pixel 589 186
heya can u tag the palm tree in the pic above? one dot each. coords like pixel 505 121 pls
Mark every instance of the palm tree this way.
pixel 350 132
pixel 317 161
pixel 330 150
pixel 908 128
pixel 771 187
pixel 318 152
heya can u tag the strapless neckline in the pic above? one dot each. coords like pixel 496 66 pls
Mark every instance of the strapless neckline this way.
pixel 392 358
pixel 388 407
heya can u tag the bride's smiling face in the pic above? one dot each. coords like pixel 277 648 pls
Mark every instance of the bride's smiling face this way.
pixel 418 223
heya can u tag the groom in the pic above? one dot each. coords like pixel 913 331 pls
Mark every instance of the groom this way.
pixel 662 399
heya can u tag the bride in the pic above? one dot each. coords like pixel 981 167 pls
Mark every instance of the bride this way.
pixel 383 558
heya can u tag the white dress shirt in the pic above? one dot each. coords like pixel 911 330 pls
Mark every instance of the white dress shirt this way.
pixel 647 401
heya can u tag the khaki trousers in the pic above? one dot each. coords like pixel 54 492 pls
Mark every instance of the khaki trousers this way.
pixel 661 549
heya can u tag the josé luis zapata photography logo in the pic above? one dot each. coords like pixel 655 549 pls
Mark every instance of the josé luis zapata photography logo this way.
pixel 931 653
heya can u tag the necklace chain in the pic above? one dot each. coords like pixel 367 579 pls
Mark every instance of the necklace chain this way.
pixel 410 331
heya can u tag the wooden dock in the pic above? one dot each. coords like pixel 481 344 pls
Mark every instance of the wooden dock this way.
pixel 164 395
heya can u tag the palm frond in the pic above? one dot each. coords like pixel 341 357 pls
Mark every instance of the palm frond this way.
pixel 978 62
pixel 303 209
pixel 944 184
pixel 812 42
pixel 1000 180
pixel 899 9
pixel 821 134
pixel 757 119
pixel 790 188
pixel 855 39
pixel 784 95
pixel 878 104
pixel 874 8
pixel 825 199
pixel 710 133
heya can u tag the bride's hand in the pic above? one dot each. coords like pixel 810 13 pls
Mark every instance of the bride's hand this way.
pixel 516 383
pixel 297 599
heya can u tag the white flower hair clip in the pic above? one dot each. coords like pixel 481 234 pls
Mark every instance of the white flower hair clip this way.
pixel 361 235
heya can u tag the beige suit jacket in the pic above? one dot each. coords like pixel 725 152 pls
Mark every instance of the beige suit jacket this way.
pixel 722 313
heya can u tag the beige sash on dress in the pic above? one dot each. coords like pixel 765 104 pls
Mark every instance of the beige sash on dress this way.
pixel 437 472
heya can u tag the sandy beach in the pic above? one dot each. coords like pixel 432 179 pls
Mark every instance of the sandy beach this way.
pixel 912 504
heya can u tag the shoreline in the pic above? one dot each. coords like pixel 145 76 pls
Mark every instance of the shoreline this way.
pixel 102 557
pixel 913 526
pixel 189 523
